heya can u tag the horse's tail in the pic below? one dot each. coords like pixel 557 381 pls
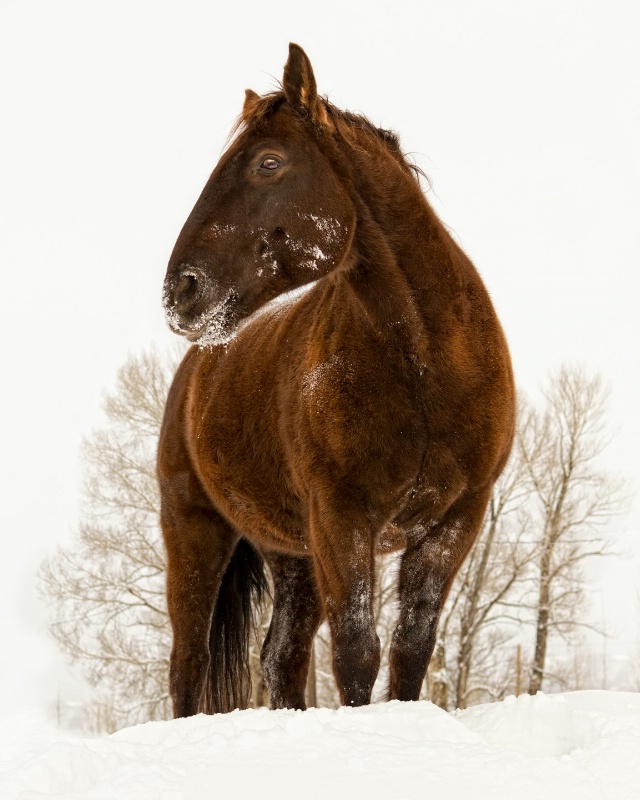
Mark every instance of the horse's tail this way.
pixel 243 588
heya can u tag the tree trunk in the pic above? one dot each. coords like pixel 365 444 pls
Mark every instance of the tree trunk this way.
pixel 462 678
pixel 469 618
pixel 259 693
pixel 542 624
pixel 311 692
pixel 437 678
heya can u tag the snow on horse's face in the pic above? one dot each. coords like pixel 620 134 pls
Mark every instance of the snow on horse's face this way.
pixel 272 217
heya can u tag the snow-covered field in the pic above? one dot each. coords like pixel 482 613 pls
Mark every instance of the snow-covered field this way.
pixel 582 745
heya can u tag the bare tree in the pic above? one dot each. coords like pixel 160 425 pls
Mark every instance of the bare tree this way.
pixel 573 498
pixel 484 613
pixel 107 590
pixel 544 521
pixel 487 595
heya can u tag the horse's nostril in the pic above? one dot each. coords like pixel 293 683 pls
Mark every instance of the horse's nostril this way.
pixel 186 290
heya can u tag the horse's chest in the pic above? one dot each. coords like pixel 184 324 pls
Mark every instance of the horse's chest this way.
pixel 381 430
pixel 241 462
pixel 345 392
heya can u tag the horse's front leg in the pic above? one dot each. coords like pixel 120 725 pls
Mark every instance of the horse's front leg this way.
pixel 343 543
pixel 297 613
pixel 428 567
pixel 199 545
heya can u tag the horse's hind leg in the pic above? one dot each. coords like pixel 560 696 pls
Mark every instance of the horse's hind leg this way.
pixel 428 568
pixel 199 546
pixel 297 613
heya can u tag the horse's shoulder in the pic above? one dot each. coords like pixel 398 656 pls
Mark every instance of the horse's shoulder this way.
pixel 189 382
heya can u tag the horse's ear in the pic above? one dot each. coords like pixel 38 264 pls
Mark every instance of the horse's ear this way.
pixel 299 83
pixel 299 86
pixel 250 101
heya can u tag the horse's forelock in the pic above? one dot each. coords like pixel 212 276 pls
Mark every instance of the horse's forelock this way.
pixel 258 110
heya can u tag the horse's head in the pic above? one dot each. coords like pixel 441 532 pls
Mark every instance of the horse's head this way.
pixel 273 216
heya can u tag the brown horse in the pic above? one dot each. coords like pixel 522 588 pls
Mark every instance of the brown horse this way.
pixel 350 392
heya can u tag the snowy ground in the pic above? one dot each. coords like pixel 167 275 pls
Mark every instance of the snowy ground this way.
pixel 583 745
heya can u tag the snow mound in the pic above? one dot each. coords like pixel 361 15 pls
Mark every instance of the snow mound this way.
pixel 583 745
pixel 537 726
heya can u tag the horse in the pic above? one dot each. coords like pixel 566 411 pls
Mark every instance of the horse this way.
pixel 349 391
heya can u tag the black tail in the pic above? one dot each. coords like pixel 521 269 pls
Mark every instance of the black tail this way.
pixel 243 588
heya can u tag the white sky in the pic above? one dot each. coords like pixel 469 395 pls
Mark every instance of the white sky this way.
pixel 526 116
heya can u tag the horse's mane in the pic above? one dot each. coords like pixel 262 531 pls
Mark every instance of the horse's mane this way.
pixel 348 124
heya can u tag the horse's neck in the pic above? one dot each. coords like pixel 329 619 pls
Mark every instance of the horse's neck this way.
pixel 408 270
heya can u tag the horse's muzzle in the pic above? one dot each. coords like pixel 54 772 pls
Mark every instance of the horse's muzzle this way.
pixel 194 307
pixel 185 298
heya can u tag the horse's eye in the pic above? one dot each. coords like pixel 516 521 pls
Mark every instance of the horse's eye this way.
pixel 270 164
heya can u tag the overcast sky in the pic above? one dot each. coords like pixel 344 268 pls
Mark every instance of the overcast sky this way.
pixel 525 115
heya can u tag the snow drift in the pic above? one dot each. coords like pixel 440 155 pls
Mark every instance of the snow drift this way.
pixel 582 745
